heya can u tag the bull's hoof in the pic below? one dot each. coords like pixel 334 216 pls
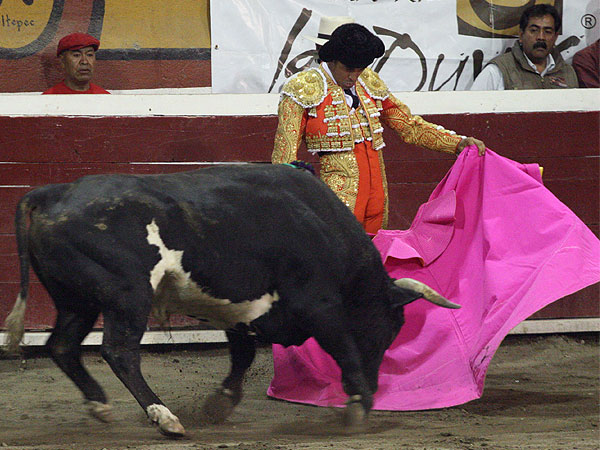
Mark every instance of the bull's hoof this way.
pixel 100 411
pixel 172 428
pixel 167 423
pixel 219 406
pixel 354 417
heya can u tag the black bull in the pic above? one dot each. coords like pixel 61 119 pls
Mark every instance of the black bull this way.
pixel 263 252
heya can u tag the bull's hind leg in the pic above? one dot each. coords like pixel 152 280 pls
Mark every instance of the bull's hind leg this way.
pixel 123 330
pixel 64 346
pixel 220 405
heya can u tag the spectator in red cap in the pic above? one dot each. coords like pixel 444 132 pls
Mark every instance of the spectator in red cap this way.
pixel 77 54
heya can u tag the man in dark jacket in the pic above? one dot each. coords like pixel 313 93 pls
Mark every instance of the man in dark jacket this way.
pixel 586 63
pixel 534 62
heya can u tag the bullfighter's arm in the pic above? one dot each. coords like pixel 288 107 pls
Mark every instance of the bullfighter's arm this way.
pixel 416 130
pixel 290 131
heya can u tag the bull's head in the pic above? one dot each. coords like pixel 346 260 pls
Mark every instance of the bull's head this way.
pixel 384 327
pixel 407 290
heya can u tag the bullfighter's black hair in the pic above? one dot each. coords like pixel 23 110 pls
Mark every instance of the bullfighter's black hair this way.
pixel 353 45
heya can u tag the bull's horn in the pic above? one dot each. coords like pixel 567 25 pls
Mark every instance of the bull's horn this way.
pixel 428 293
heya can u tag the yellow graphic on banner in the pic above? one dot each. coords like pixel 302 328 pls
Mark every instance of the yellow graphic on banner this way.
pixel 142 24
pixel 494 18
pixel 22 22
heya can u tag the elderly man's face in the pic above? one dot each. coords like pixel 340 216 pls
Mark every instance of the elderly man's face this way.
pixel 344 76
pixel 78 65
pixel 538 38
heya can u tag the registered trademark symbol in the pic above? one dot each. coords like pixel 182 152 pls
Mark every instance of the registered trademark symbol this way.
pixel 588 21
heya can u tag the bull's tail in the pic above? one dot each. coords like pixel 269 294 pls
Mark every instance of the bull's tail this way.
pixel 15 322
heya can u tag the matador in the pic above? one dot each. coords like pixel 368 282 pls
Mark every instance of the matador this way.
pixel 338 109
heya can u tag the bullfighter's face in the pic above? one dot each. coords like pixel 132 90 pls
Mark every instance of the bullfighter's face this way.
pixel 343 75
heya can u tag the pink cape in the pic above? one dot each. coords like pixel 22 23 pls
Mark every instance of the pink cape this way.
pixel 491 238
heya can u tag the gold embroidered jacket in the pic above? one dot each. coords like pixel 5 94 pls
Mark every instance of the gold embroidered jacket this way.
pixel 313 108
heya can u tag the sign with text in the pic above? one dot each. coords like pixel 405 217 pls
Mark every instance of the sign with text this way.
pixel 134 29
pixel 430 44
pixel 144 44
pixel 27 26
pixel 495 18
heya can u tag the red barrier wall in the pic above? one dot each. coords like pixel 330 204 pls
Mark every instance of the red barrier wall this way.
pixel 44 150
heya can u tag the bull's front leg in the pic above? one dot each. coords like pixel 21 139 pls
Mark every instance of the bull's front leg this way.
pixel 344 351
pixel 242 350
pixel 329 329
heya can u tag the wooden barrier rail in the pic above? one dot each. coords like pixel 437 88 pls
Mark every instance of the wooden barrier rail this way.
pixel 53 139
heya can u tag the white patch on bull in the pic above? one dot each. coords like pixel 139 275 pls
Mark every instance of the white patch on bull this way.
pixel 176 293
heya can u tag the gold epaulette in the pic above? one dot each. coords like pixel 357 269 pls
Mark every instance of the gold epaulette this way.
pixel 307 88
pixel 374 85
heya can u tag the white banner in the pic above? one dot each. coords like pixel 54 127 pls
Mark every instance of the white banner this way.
pixel 430 45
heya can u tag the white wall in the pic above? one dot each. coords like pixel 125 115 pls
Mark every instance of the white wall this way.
pixel 195 104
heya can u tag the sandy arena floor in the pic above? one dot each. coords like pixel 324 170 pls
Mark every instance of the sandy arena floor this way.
pixel 542 392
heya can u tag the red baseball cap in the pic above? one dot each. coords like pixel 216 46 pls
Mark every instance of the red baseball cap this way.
pixel 75 41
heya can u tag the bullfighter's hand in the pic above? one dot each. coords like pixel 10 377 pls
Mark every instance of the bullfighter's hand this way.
pixel 471 141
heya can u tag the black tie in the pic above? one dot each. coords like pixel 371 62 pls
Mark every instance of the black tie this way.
pixel 355 101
